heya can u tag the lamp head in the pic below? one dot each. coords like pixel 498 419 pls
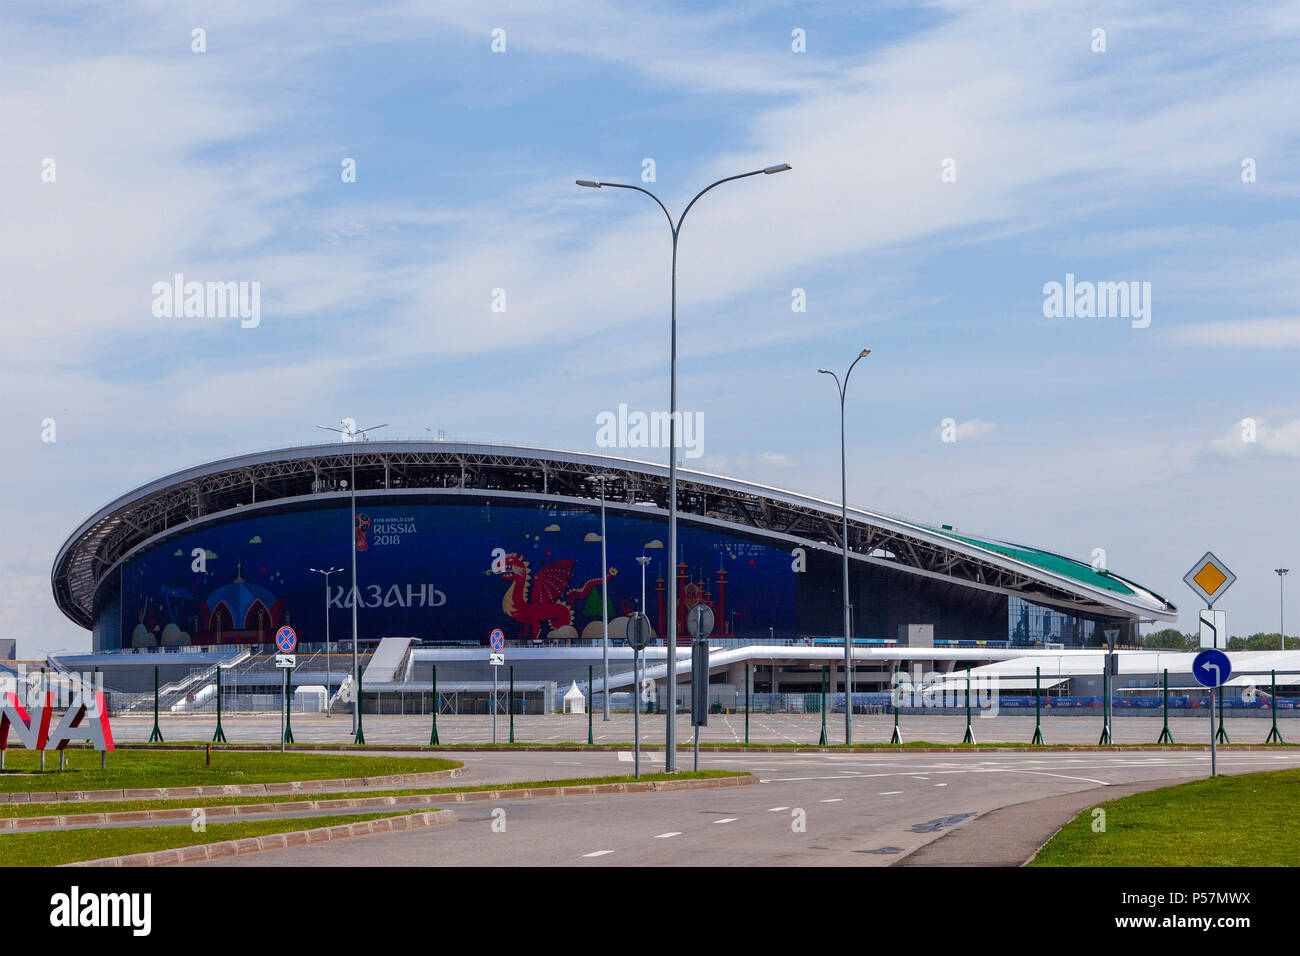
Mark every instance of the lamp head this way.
pixel 825 371
pixel 778 168
pixel 864 353
pixel 588 182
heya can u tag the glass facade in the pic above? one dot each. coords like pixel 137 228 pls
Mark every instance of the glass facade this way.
pixel 1033 625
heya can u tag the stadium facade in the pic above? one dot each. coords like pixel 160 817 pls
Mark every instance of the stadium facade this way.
pixel 456 539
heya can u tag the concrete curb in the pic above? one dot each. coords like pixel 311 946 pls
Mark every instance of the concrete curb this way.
pixel 229 790
pixel 214 814
pixel 1013 835
pixel 275 841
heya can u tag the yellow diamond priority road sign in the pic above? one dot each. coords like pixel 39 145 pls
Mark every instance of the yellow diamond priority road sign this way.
pixel 1209 578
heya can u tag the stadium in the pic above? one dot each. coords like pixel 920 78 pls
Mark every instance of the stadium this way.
pixel 456 539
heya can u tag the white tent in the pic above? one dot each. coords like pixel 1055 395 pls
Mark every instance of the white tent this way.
pixel 574 702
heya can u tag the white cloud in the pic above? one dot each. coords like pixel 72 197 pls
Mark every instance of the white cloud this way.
pixel 1257 437
pixel 1276 333
pixel 972 429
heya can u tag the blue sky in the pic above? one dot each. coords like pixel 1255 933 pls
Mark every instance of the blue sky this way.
pixel 1074 434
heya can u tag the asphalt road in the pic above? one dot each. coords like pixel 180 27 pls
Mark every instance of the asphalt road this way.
pixel 809 809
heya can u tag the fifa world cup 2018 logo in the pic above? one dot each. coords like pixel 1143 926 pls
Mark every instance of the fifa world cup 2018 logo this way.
pixel 363 525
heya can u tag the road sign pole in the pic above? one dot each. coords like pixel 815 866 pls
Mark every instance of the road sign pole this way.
pixel 1223 725
pixel 822 741
pixel 969 737
pixel 512 703
pixel 636 714
pixel 1038 707
pixel 360 738
pixel 1274 737
pixel 283 695
pixel 1214 753
pixel 220 735
pixel 288 705
pixel 494 704
pixel 1105 704
pixel 1165 736
pixel 433 734
pixel 897 737
pixel 156 736
pixel 591 701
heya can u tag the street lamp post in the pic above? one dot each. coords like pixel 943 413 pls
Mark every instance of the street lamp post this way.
pixel 604 592
pixel 351 433
pixel 842 388
pixel 327 574
pixel 670 741
pixel 1281 607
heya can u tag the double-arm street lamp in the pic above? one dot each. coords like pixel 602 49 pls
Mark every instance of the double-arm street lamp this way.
pixel 351 433
pixel 327 573
pixel 842 388
pixel 670 741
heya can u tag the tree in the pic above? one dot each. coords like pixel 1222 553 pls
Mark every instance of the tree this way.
pixel 1171 639
pixel 1256 642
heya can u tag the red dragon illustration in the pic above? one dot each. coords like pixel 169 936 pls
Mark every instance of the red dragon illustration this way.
pixel 533 600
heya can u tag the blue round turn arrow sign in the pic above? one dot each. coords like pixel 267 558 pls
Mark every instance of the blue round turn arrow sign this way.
pixel 1211 668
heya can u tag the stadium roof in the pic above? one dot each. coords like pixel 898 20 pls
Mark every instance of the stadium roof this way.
pixel 232 487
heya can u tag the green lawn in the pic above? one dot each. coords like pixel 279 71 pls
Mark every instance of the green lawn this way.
pixel 69 846
pixel 134 769
pixel 1246 820
pixel 123 806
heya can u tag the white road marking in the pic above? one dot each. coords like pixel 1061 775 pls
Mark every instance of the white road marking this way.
pixel 727 820
pixel 598 853
pixel 775 809
pixel 833 800
pixel 941 785
pixel 888 793
pixel 665 836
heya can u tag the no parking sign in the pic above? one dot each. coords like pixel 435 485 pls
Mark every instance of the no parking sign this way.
pixel 286 639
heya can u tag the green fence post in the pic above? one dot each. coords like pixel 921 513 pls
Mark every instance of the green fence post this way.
pixel 1105 706
pixel 1165 736
pixel 1038 707
pixel 591 697
pixel 156 736
pixel 822 741
pixel 360 738
pixel 1274 736
pixel 897 737
pixel 969 737
pixel 220 735
pixel 433 735
pixel 1222 735
pixel 512 703
pixel 747 666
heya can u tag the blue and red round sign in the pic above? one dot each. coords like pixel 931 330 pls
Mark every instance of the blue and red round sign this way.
pixel 498 640
pixel 286 640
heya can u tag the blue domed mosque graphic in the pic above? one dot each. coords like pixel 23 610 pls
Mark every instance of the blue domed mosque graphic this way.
pixel 239 613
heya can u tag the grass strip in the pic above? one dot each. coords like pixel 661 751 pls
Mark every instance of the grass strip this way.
pixel 1237 820
pixel 51 848
pixel 138 769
